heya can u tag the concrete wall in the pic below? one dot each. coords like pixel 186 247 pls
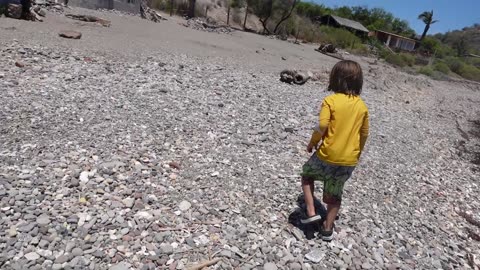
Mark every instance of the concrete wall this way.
pixel 132 6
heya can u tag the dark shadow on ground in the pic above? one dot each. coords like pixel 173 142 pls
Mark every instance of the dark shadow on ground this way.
pixel 299 213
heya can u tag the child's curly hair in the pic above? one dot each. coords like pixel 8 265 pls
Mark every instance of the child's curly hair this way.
pixel 346 77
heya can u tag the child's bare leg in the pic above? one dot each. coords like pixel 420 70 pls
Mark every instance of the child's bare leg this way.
pixel 332 211
pixel 308 186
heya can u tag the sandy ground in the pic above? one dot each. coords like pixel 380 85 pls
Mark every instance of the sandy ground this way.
pixel 132 36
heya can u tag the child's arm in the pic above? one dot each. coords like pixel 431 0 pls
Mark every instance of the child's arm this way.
pixel 321 128
pixel 364 132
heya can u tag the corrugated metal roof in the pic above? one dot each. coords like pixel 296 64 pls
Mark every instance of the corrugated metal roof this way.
pixel 349 23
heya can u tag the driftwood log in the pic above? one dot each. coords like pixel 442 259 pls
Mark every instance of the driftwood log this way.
pixel 330 50
pixel 89 18
pixel 204 264
pixel 294 76
pixel 327 48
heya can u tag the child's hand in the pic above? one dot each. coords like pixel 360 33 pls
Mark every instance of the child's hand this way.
pixel 310 147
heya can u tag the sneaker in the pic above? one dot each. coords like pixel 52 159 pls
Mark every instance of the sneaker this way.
pixel 311 219
pixel 327 235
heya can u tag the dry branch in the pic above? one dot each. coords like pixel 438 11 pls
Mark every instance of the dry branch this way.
pixel 89 18
pixel 204 264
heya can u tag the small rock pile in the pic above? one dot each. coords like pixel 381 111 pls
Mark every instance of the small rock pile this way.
pixel 52 6
pixel 207 26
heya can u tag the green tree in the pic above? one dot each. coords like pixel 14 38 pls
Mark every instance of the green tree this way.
pixel 427 18
pixel 264 10
pixel 287 7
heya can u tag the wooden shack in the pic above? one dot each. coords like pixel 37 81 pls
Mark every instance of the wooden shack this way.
pixel 395 41
pixel 339 22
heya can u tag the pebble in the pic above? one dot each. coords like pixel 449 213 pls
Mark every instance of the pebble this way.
pixel 62 259
pixel 270 266
pixel 32 256
pixel 77 252
pixel 184 206
pixel 166 248
pixel 43 220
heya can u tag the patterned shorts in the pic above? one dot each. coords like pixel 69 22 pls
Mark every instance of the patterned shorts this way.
pixel 332 176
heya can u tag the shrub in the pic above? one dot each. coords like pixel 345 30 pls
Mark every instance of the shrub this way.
pixel 409 59
pixel 426 70
pixel 469 72
pixel 339 37
pixel 360 49
pixel 455 64
pixel 442 67
pixel 395 59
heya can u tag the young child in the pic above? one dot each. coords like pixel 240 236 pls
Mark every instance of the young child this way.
pixel 342 131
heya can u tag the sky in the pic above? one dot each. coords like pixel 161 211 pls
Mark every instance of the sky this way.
pixel 452 14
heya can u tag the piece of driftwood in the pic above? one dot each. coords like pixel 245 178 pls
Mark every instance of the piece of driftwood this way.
pixel 204 264
pixel 70 34
pixel 327 48
pixel 294 76
pixel 330 50
pixel 89 18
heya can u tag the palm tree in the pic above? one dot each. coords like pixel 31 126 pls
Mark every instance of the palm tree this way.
pixel 427 18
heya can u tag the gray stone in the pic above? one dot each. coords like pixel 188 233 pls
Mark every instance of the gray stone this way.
pixel 43 220
pixel 316 255
pixel 57 266
pixel 166 248
pixel 184 206
pixel 98 253
pixel 43 243
pixel 74 182
pixel 32 256
pixel 128 202
pixel 62 259
pixel 69 246
pixel 77 252
pixel 366 265
pixel 12 232
pixel 295 266
pixel 270 266
pixel 121 266
pixel 226 253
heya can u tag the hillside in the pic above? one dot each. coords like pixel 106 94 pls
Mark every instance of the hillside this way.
pixel 469 35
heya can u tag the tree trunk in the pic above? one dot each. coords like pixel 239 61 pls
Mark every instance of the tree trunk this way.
pixel 427 27
pixel 264 24
pixel 171 8
pixel 246 15
pixel 26 5
pixel 264 21
pixel 228 15
pixel 191 9
pixel 285 17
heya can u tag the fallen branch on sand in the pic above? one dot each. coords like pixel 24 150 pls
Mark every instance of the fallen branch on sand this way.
pixel 204 264
pixel 89 18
